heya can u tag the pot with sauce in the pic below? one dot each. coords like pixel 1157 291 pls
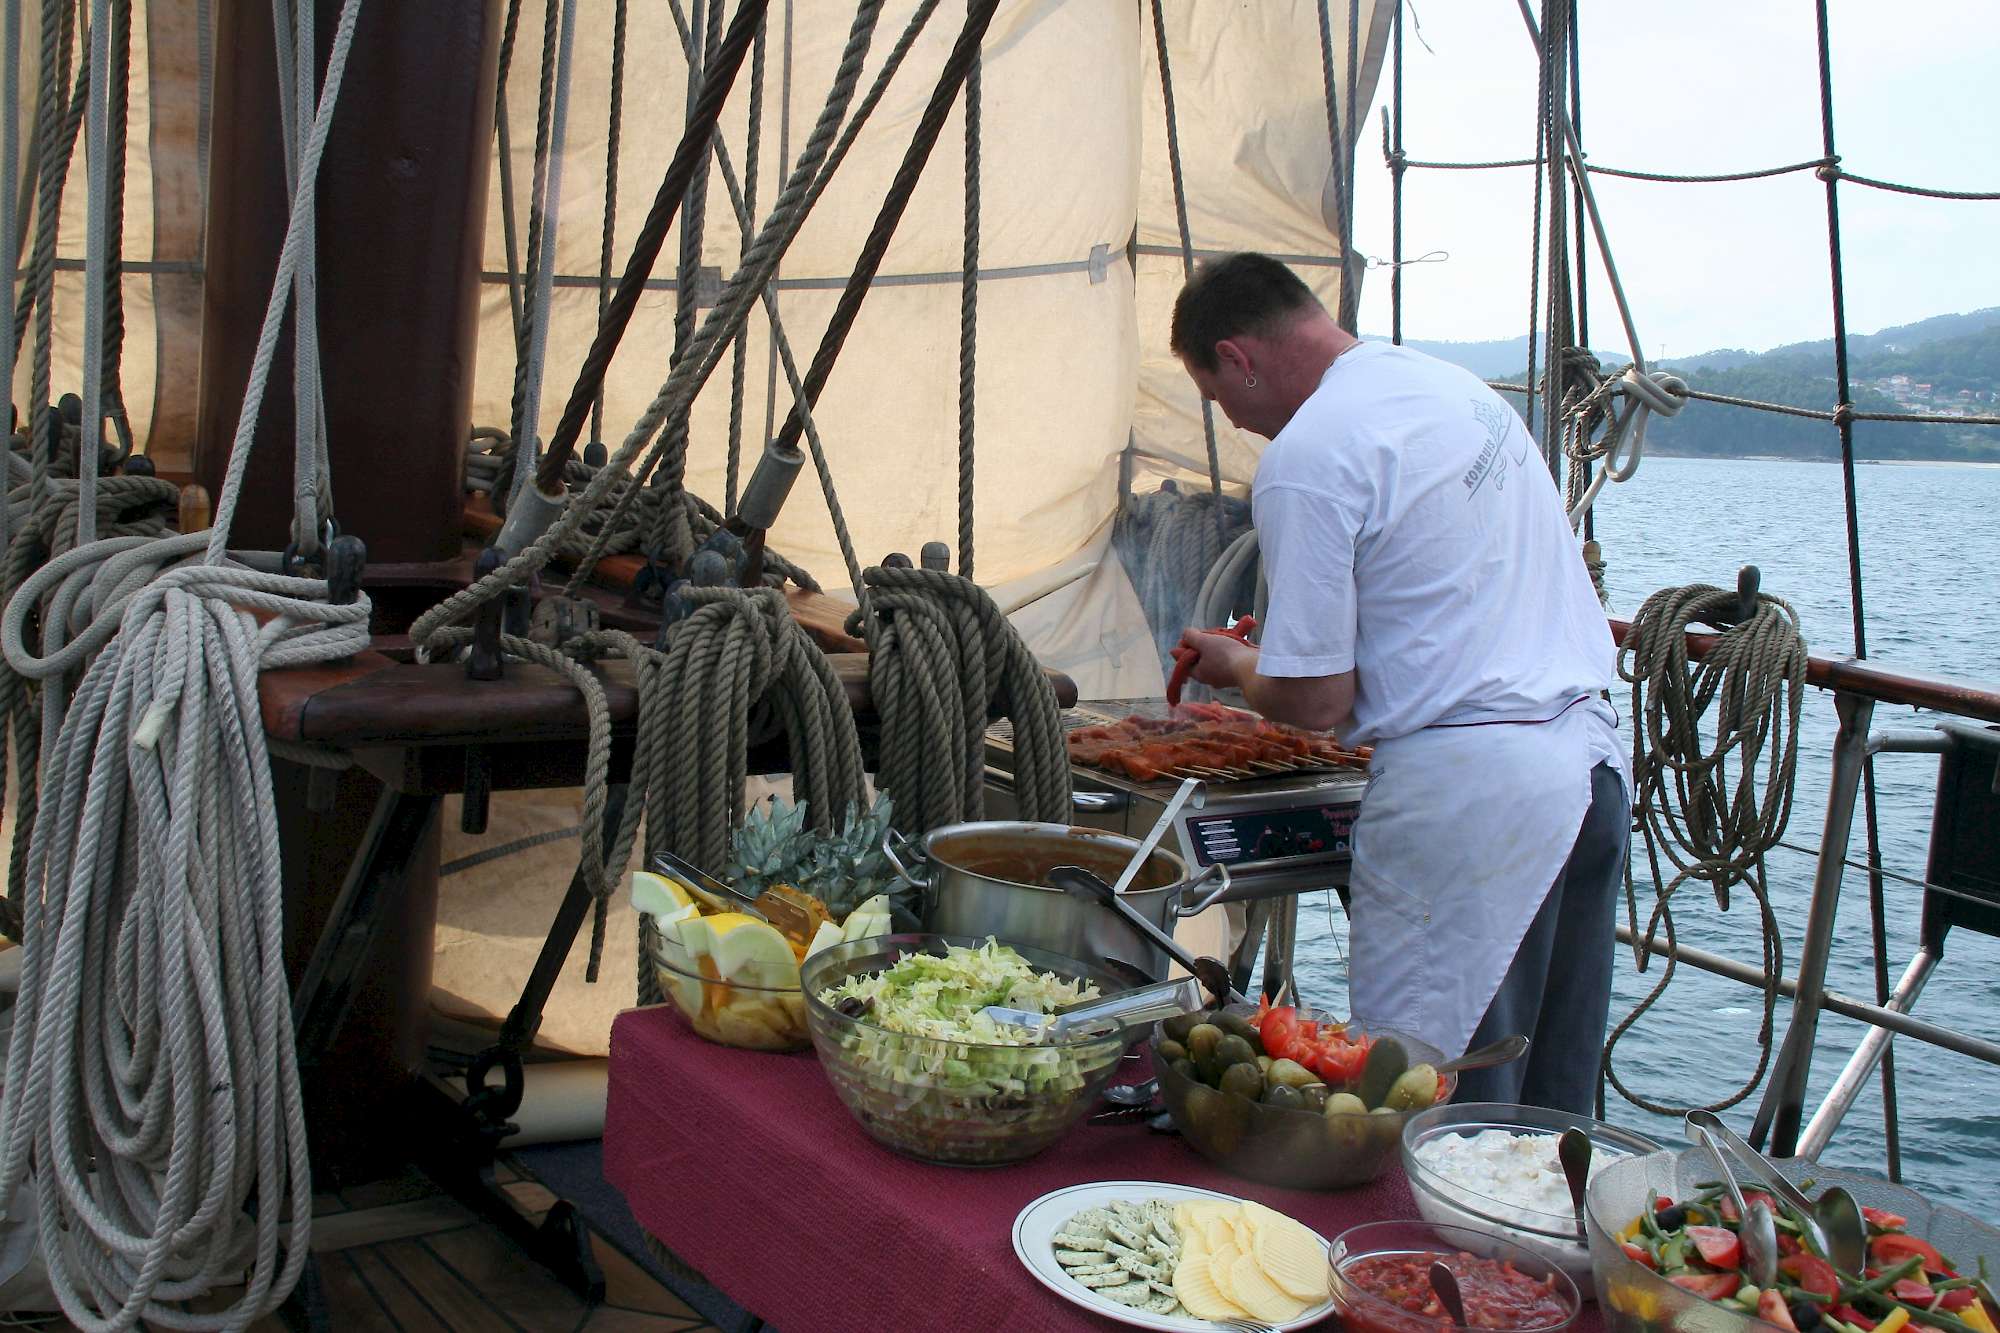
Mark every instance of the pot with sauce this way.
pixel 991 878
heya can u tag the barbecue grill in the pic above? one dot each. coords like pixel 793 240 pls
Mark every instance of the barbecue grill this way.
pixel 1281 834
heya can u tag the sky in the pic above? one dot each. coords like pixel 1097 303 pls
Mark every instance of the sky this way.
pixel 1699 86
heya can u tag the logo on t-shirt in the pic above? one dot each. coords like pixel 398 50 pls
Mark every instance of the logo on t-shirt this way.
pixel 1491 463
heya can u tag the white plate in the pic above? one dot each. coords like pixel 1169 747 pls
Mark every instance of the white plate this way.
pixel 1035 1229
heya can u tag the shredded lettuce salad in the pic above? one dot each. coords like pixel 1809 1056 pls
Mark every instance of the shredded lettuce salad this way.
pixel 940 998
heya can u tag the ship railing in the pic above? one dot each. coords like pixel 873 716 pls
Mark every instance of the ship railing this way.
pixel 1961 887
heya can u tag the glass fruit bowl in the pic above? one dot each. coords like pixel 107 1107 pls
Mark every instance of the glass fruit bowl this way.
pixel 1491 1168
pixel 737 990
pixel 960 1103
pixel 1635 1299
pixel 1381 1282
pixel 1275 1145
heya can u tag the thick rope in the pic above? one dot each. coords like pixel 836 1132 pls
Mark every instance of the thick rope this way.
pixel 737 671
pixel 968 323
pixel 10 231
pixel 1187 241
pixel 687 378
pixel 1168 543
pixel 151 1087
pixel 942 660
pixel 153 977
pixel 739 369
pixel 1710 830
pixel 612 131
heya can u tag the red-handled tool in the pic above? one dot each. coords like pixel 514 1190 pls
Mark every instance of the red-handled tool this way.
pixel 1185 657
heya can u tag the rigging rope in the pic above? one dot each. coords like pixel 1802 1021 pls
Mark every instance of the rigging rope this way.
pixel 151 1085
pixel 968 322
pixel 1711 830
pixel 613 128
pixel 1187 237
pixel 942 660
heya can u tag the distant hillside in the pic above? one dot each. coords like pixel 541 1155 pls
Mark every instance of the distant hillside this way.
pixel 1491 360
pixel 1946 365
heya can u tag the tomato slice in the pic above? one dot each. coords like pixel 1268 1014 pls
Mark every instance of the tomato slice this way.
pixel 1771 1308
pixel 1718 1245
pixel 1915 1292
pixel 1814 1274
pixel 1708 1286
pixel 1279 1030
pixel 1638 1254
pixel 1847 1314
pixel 1958 1299
pixel 1893 1247
pixel 1887 1221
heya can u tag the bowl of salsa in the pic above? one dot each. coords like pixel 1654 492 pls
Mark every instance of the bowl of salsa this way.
pixel 1381 1282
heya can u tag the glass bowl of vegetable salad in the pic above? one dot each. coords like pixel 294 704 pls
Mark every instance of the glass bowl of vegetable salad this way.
pixel 898 1025
pixel 1664 1249
pixel 1491 1168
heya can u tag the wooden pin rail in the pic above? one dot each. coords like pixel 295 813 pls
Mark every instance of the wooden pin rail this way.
pixel 1867 680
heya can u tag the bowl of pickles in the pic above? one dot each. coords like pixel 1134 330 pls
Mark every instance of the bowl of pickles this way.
pixel 1294 1096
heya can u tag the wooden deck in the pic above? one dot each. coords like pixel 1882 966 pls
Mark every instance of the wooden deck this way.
pixel 397 1256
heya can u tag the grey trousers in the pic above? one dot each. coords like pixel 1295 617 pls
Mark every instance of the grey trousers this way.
pixel 1558 989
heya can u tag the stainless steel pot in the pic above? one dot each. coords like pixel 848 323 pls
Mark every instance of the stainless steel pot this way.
pixel 991 879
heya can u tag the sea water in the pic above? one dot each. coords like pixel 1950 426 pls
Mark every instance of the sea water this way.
pixel 1930 546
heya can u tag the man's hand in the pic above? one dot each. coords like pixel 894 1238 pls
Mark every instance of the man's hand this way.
pixel 1316 703
pixel 1224 661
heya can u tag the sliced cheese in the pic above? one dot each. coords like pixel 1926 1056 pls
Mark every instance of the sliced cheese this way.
pixel 1194 1285
pixel 1255 1292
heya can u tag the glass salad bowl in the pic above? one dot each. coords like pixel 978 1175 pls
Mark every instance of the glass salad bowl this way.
pixel 1276 1145
pixel 1381 1282
pixel 1635 1299
pixel 1490 1168
pixel 947 1099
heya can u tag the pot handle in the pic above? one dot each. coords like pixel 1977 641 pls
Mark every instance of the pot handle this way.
pixel 913 850
pixel 1218 871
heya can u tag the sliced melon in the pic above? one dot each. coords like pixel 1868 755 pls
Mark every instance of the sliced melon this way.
pixel 868 920
pixel 826 937
pixel 746 951
pixel 656 895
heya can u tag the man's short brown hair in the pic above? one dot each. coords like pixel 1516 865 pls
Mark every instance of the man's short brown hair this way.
pixel 1230 296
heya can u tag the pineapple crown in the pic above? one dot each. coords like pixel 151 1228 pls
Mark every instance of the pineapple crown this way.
pixel 776 845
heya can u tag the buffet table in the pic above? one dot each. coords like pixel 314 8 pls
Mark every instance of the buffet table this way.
pixel 750 1170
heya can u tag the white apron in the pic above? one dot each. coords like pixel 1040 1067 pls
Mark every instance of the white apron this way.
pixel 1460 837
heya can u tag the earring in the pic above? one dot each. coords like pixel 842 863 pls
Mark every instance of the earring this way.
pixel 1250 381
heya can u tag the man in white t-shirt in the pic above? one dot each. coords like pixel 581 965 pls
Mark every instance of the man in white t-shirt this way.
pixel 1427 598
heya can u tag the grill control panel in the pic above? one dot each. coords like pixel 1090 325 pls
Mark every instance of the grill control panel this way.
pixel 1301 832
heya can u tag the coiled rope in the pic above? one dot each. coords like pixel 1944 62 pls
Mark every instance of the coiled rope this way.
pixel 1171 542
pixel 1711 830
pixel 737 671
pixel 942 660
pixel 151 1087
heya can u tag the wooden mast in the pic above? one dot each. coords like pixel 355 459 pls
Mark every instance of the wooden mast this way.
pixel 401 226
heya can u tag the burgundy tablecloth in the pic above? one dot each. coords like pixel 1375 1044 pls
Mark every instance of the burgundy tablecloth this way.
pixel 748 1167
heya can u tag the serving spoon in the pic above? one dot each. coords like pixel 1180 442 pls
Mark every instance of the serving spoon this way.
pixel 1834 1225
pixel 1758 1230
pixel 1573 1150
pixel 1445 1283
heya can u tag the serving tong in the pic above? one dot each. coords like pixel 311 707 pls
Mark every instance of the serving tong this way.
pixel 1834 1225
pixel 1121 1009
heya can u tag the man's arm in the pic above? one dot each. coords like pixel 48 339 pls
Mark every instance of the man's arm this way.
pixel 1317 703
